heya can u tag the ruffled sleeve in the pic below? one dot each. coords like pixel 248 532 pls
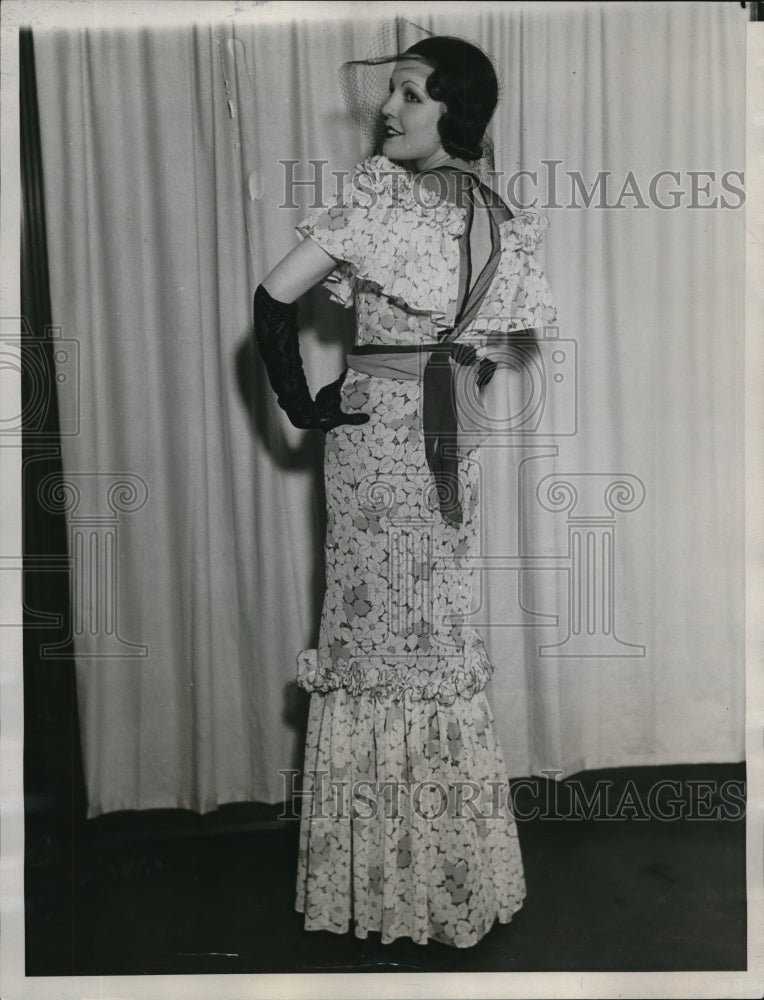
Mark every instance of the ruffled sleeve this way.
pixel 386 231
pixel 520 297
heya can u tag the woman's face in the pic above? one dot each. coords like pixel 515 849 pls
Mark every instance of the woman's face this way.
pixel 411 116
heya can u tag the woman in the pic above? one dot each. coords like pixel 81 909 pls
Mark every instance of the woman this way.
pixel 406 827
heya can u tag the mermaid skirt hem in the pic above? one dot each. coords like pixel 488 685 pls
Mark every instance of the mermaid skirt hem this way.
pixel 406 826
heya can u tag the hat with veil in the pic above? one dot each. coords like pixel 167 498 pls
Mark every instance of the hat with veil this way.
pixel 365 83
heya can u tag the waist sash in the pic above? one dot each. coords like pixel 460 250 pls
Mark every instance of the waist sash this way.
pixel 450 397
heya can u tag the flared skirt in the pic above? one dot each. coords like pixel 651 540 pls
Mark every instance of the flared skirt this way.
pixel 406 825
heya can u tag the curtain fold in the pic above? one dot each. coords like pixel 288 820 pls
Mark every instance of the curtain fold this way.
pixel 200 512
pixel 53 781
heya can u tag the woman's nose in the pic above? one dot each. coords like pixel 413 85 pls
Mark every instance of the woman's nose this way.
pixel 388 108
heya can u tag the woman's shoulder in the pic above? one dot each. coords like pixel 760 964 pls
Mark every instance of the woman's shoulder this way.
pixel 377 173
pixel 409 188
pixel 379 166
pixel 378 185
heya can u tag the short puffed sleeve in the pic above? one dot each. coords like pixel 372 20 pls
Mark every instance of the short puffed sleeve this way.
pixel 341 227
pixel 381 231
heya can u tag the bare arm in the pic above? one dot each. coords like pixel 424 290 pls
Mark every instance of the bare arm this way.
pixel 277 337
pixel 300 270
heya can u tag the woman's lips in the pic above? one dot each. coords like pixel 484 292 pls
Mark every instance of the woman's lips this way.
pixel 391 132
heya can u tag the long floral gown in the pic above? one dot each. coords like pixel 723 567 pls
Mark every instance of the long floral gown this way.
pixel 406 827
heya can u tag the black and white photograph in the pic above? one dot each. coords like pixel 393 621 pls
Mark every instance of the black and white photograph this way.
pixel 379 433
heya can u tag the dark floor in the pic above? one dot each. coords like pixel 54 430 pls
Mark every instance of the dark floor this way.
pixel 172 892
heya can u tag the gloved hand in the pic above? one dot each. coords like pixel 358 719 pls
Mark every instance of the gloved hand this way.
pixel 485 372
pixel 514 352
pixel 486 367
pixel 328 407
pixel 277 337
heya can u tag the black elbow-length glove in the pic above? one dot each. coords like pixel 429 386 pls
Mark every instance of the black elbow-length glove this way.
pixel 277 337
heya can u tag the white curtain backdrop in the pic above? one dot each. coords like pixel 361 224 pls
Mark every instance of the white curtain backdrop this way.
pixel 163 181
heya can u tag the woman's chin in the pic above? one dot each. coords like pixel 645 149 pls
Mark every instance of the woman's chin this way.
pixel 394 149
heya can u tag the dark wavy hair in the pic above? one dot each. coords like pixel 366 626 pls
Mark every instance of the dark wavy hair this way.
pixel 464 79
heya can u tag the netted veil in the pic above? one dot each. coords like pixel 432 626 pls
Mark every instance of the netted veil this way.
pixel 364 84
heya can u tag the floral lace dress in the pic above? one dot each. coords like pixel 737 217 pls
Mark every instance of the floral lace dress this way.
pixel 406 827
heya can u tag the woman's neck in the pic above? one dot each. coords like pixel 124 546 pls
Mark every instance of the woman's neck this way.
pixel 441 158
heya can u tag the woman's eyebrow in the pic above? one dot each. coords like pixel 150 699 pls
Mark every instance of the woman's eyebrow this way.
pixel 412 82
